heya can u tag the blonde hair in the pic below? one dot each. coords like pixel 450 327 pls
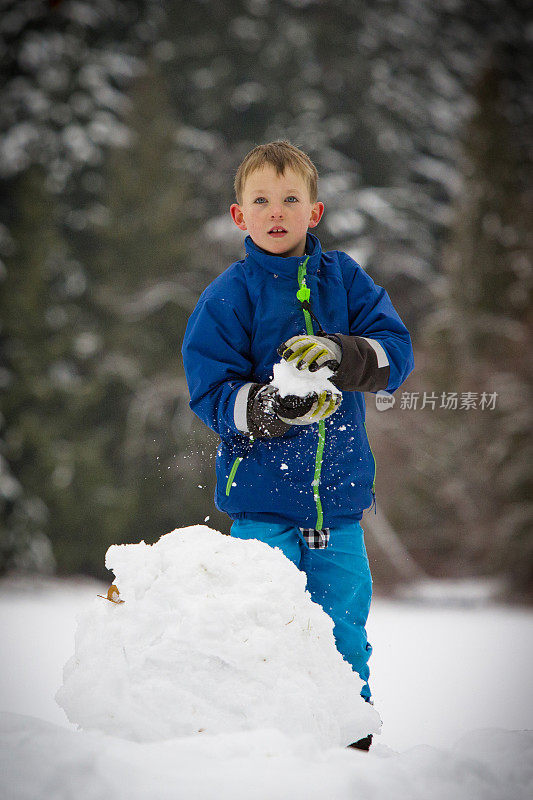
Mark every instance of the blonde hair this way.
pixel 281 155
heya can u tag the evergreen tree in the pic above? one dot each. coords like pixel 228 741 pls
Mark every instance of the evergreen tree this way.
pixel 144 293
pixel 30 355
pixel 473 499
pixel 54 446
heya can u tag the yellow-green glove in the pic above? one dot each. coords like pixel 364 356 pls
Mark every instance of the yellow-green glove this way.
pixel 305 410
pixel 311 352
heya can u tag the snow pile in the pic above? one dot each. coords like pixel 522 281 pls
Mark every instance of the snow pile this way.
pixel 216 635
pixel 40 760
pixel 300 382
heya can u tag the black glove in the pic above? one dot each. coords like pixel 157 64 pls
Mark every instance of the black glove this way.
pixel 268 414
pixel 261 417
pixel 361 368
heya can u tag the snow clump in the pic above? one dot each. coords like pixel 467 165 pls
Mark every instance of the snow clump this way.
pixel 216 635
pixel 301 382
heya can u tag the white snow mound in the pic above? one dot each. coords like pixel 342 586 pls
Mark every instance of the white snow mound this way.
pixel 216 635
pixel 41 760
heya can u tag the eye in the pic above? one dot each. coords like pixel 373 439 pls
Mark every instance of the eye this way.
pixel 292 199
pixel 260 200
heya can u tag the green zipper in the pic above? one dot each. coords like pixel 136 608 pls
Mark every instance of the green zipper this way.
pixel 231 475
pixel 304 294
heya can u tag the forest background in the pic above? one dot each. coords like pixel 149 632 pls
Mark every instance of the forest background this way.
pixel 121 125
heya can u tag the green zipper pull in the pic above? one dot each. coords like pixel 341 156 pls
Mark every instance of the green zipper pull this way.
pixel 304 293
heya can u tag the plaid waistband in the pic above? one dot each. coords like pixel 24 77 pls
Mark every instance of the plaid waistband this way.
pixel 316 538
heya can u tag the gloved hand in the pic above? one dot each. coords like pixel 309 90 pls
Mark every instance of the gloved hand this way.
pixel 268 414
pixel 306 410
pixel 359 363
pixel 261 417
pixel 311 352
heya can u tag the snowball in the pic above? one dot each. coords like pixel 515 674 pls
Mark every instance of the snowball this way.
pixel 216 635
pixel 300 382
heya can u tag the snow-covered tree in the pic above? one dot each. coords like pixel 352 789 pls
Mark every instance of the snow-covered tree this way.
pixel 471 498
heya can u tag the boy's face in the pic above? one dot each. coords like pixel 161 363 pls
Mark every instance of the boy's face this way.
pixel 276 210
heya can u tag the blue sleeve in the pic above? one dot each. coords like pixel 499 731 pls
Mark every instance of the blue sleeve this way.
pixel 373 316
pixel 217 363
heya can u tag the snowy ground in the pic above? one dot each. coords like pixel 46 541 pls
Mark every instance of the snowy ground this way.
pixel 450 683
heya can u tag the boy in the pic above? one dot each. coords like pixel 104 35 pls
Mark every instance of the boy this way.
pixel 296 473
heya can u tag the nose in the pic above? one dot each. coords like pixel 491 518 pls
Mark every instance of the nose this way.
pixel 276 211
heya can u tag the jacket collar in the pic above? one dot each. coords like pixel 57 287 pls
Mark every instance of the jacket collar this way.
pixel 288 267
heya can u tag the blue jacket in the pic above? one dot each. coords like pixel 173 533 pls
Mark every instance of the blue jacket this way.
pixel 231 339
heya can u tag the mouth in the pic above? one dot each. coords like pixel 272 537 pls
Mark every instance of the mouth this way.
pixel 277 232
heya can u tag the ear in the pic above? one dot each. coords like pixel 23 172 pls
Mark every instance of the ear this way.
pixel 316 214
pixel 238 217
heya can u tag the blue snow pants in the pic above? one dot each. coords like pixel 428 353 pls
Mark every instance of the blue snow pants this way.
pixel 338 578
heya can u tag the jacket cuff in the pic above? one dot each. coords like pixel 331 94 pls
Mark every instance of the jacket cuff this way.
pixel 364 365
pixel 240 408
